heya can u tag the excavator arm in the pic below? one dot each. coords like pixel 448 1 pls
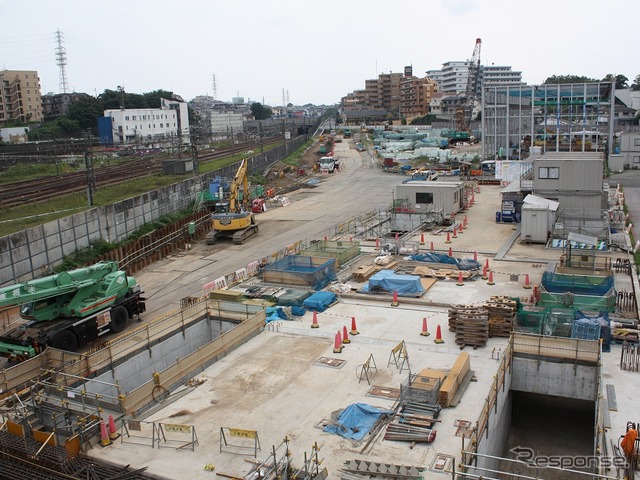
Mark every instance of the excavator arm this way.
pixel 241 178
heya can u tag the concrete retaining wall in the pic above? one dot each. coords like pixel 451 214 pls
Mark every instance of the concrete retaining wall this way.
pixel 30 253
pixel 557 379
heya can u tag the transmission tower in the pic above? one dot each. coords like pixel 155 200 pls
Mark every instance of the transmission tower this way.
pixel 284 98
pixel 215 87
pixel 61 61
pixel 287 96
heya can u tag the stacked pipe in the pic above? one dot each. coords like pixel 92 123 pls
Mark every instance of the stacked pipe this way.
pixel 413 423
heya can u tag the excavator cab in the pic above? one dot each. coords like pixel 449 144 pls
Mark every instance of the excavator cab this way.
pixel 222 207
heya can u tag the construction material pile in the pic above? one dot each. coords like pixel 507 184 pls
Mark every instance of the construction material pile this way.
pixel 413 422
pixel 470 324
pixel 454 379
pixel 502 312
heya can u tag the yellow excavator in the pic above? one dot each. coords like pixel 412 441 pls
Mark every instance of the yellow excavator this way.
pixel 231 218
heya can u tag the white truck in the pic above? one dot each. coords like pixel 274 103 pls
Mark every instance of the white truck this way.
pixel 330 164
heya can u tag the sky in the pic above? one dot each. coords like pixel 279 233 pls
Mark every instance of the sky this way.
pixel 316 52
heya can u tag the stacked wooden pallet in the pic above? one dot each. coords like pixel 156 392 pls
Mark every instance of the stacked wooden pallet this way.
pixel 364 272
pixel 454 379
pixel 502 312
pixel 470 324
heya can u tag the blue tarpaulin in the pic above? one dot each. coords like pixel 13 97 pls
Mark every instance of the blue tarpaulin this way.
pixel 275 314
pixel 356 420
pixel 387 280
pixel 460 263
pixel 319 301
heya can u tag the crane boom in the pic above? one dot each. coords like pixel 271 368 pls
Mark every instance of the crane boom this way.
pixel 472 82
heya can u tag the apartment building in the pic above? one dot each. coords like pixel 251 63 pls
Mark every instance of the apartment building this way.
pixel 454 75
pixel 56 105
pixel 415 95
pixel 20 98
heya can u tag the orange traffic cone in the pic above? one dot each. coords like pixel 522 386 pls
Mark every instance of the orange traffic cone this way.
pixel 422 239
pixel 455 229
pixel 432 247
pixel 490 282
pixel 486 264
pixel 104 436
pixel 475 256
pixel 526 285
pixel 337 343
pixel 464 221
pixel 484 273
pixel 314 323
pixel 460 282
pixel 395 302
pixel 448 240
pixel 425 330
pixel 354 330
pixel 345 336
pixel 377 243
pixel 438 338
pixel 461 228
pixel 450 252
pixel 113 433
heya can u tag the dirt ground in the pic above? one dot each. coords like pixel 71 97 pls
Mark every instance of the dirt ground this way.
pixel 284 178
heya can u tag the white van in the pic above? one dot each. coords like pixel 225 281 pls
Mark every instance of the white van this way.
pixel 328 163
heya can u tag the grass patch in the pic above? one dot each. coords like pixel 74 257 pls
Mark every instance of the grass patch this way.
pixel 20 218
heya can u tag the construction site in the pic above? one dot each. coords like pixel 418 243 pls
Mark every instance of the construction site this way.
pixel 378 340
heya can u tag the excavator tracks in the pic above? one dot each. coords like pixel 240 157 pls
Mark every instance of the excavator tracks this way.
pixel 242 236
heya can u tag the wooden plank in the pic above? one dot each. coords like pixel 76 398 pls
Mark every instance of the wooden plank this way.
pixel 611 397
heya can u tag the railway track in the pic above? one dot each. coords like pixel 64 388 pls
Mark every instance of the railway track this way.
pixel 39 190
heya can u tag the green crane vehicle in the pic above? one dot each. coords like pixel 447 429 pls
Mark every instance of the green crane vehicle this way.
pixel 69 309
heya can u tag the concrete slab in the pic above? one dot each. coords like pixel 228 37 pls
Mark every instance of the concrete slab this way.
pixel 274 384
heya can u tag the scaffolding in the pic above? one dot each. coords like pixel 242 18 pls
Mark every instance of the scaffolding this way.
pixel 575 117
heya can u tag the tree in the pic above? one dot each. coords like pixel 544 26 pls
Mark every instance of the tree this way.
pixel 260 112
pixel 636 84
pixel 621 80
pixel 556 79
pixel 85 112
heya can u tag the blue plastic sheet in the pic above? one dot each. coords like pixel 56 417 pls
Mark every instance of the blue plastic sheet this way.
pixel 319 301
pixel 388 281
pixel 356 420
pixel 460 263
pixel 274 314
pixel 298 311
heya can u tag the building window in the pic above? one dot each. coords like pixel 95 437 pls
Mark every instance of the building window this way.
pixel 636 159
pixel 162 125
pixel 549 172
pixel 424 197
pixel 126 118
pixel 636 142
pixel 134 118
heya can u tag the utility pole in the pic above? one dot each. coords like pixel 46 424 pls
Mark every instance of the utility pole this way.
pixel 91 177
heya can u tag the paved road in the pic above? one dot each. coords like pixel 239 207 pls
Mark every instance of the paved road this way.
pixel 358 187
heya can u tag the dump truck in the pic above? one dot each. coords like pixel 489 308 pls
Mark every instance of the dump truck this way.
pixel 69 309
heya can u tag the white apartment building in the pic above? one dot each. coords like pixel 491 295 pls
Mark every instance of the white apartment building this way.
pixel 453 77
pixel 149 125
pixel 499 75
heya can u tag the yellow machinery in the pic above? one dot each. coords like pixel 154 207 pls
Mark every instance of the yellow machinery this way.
pixel 231 218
